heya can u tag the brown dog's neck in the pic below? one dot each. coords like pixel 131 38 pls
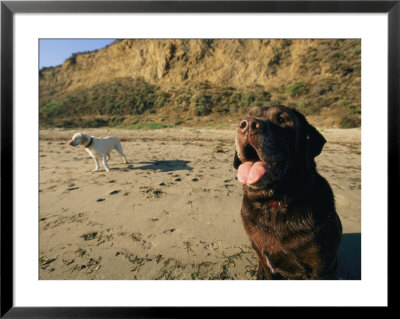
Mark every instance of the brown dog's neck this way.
pixel 273 206
pixel 292 188
pixel 276 203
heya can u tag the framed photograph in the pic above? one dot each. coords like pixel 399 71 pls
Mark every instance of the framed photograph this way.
pixel 164 155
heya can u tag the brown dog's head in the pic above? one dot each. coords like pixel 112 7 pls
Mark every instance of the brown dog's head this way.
pixel 273 144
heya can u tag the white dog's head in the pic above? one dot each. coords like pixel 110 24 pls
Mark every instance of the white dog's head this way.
pixel 79 138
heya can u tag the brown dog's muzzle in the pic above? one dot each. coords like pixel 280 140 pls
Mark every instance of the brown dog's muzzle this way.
pixel 262 161
pixel 250 125
pixel 249 131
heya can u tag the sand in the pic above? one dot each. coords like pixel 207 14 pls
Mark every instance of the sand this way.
pixel 173 212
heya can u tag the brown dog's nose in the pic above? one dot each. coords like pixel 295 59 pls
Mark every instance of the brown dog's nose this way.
pixel 244 125
pixel 250 125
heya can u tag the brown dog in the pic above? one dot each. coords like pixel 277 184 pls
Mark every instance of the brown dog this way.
pixel 288 209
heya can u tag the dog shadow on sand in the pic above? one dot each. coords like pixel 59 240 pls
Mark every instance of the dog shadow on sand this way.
pixel 349 264
pixel 162 166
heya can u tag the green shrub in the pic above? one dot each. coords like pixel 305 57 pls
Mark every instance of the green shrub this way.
pixel 68 124
pixel 97 122
pixel 235 98
pixel 350 121
pixel 301 105
pixel 111 108
pixel 261 97
pixel 149 126
pixel 51 109
pixel 350 107
pixel 183 99
pixel 203 105
pixel 296 89
pixel 118 97
pixel 351 115
pixel 247 98
pixel 202 110
pixel 117 120
pixel 222 108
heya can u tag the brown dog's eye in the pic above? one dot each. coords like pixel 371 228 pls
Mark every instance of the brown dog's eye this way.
pixel 281 120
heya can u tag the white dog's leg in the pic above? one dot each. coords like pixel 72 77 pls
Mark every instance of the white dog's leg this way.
pixel 118 148
pixel 97 163
pixel 94 158
pixel 96 169
pixel 105 162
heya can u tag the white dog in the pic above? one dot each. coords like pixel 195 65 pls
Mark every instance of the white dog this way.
pixel 98 147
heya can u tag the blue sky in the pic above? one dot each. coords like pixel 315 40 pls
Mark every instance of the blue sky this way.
pixel 53 52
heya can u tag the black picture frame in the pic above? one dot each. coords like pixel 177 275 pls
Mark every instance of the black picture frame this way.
pixel 9 8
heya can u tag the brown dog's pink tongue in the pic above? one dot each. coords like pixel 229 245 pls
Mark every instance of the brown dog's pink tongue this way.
pixel 244 171
pixel 257 171
pixel 250 173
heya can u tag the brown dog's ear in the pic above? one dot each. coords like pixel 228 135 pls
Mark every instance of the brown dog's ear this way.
pixel 314 139
pixel 315 142
pixel 236 161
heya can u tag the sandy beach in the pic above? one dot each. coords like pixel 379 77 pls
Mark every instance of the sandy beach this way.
pixel 173 212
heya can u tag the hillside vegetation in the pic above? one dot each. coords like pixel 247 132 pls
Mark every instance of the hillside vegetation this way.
pixel 164 83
